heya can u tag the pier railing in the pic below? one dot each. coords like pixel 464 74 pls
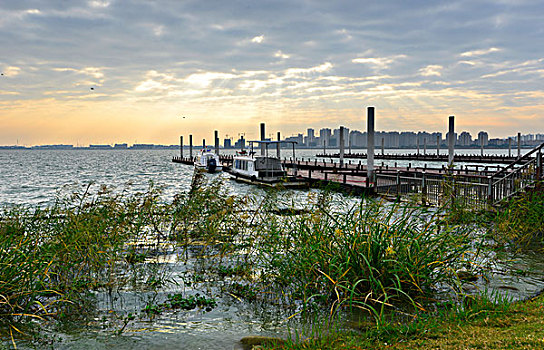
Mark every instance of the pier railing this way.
pixel 517 176
pixel 469 190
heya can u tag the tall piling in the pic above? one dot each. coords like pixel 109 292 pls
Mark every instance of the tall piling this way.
pixel 181 146
pixel 451 140
pixel 191 146
pixel 424 146
pixel 519 144
pixel 262 139
pixel 509 147
pixel 482 146
pixel 370 143
pixel 437 145
pixel 216 135
pixel 417 146
pixel 278 146
pixel 341 144
pixel 204 144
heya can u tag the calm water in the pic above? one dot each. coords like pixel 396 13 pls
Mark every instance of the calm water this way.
pixel 38 177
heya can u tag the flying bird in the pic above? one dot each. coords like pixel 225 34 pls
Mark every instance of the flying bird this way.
pixel 92 88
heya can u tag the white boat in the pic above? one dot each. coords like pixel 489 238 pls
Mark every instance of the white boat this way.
pixel 263 169
pixel 208 161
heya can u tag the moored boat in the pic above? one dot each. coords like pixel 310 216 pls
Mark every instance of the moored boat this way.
pixel 208 161
pixel 263 169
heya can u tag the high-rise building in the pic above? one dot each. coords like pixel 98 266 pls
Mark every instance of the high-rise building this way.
pixel 465 139
pixel 325 136
pixel 310 140
pixel 483 138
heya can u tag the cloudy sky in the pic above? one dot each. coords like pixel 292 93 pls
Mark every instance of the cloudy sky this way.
pixel 105 71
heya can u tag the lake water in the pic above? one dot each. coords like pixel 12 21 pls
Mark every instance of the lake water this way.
pixel 38 177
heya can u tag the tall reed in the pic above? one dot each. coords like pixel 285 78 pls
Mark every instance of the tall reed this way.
pixel 369 256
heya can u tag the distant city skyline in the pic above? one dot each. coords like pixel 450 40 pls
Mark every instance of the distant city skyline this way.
pixel 326 137
pixel 104 71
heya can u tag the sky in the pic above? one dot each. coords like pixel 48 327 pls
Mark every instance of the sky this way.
pixel 142 71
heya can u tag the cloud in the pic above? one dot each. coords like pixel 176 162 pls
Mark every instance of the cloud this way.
pixel 205 79
pixel 93 72
pixel 431 70
pixel 282 55
pixel 99 4
pixel 11 71
pixel 378 62
pixel 479 52
pixel 258 39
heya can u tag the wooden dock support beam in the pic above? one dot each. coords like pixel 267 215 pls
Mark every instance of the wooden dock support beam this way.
pixel 181 146
pixel 519 144
pixel 370 143
pixel 262 139
pixel 191 147
pixel 341 144
pixel 216 136
pixel 451 140
pixel 278 154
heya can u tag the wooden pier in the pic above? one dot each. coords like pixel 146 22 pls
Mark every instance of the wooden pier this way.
pixel 471 185
pixel 494 179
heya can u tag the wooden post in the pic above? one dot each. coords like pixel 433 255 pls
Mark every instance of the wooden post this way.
pixel 216 134
pixel 181 147
pixel 370 143
pixel 482 146
pixel 383 148
pixel 398 182
pixel 539 164
pixel 451 140
pixel 191 147
pixel 425 146
pixel 204 143
pixel 424 189
pixel 278 146
pixel 437 146
pixel 417 146
pixel 509 147
pixel 341 145
pixel 262 139
pixel 519 144
pixel 490 190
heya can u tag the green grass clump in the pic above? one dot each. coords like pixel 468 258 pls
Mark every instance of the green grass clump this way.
pixel 371 256
pixel 521 220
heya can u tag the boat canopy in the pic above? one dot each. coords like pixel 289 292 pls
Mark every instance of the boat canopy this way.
pixel 267 164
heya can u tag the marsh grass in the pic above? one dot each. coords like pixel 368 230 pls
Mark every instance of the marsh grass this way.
pixel 521 220
pixel 327 251
pixel 51 258
pixel 373 256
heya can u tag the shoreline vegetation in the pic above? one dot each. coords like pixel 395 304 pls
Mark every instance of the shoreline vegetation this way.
pixel 402 268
